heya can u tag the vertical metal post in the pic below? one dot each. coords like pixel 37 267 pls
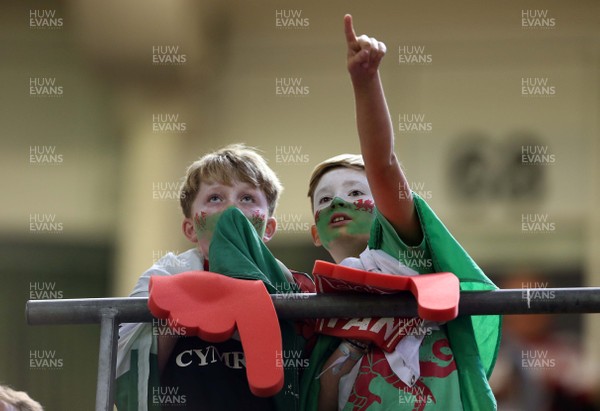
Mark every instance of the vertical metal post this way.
pixel 107 359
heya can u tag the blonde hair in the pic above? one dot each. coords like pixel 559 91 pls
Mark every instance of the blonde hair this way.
pixel 353 161
pixel 18 399
pixel 235 162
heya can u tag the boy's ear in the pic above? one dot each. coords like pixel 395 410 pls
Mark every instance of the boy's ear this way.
pixel 188 230
pixel 315 235
pixel 270 229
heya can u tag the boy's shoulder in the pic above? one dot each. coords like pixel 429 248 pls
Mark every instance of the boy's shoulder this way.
pixel 174 263
pixel 168 264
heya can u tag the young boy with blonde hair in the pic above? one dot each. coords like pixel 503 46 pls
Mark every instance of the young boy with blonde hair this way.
pixel 446 366
pixel 228 199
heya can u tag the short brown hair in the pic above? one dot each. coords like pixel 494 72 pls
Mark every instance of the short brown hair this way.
pixel 236 162
pixel 353 161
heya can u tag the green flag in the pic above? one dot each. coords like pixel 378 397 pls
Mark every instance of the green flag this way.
pixel 474 340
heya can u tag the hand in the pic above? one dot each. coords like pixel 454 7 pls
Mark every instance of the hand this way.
pixel 364 53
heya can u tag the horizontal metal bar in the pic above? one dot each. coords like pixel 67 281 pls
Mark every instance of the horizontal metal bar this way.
pixel 87 310
pixel 298 306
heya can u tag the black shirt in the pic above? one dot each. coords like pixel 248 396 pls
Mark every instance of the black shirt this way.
pixel 203 376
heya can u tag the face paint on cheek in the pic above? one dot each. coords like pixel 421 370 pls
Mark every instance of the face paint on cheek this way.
pixel 204 225
pixel 364 205
pixel 259 221
pixel 323 217
pixel 326 233
pixel 360 212
pixel 362 217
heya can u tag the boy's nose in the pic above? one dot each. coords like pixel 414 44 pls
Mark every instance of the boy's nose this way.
pixel 228 202
pixel 338 202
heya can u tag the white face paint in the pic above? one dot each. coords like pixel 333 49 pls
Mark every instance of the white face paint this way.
pixel 345 183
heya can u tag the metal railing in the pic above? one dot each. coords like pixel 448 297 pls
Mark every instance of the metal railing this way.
pixel 110 312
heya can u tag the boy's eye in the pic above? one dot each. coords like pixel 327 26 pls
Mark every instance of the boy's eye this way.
pixel 324 200
pixel 214 198
pixel 247 199
pixel 355 193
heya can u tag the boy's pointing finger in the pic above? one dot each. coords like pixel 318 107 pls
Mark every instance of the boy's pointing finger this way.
pixel 349 31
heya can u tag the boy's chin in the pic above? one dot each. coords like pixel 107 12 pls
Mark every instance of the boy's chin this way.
pixel 346 237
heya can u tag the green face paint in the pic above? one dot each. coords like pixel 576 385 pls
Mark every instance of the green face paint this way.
pixel 205 224
pixel 354 219
pixel 259 221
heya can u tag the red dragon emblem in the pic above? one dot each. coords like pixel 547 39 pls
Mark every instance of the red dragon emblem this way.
pixel 375 364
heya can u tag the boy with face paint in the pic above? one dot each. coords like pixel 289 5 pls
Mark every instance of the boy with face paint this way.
pixel 343 211
pixel 364 211
pixel 228 199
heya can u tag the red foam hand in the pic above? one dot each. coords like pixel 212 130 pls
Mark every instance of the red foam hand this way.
pixel 437 294
pixel 211 306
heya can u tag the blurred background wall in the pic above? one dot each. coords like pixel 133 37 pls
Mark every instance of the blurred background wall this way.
pixel 104 104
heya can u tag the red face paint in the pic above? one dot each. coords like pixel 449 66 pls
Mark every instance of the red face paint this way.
pixel 317 215
pixel 364 205
pixel 200 220
pixel 257 219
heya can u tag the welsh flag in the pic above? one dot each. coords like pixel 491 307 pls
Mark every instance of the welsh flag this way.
pixel 474 340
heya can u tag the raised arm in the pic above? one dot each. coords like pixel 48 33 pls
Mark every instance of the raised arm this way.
pixel 388 184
